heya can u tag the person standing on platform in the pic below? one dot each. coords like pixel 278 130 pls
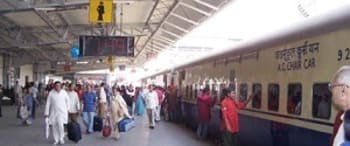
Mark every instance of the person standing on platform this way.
pixel 1 95
pixel 130 91
pixel 89 101
pixel 34 92
pixel 56 110
pixel 339 87
pixel 204 105
pixel 151 103
pixel 140 107
pixel 74 106
pixel 229 109
pixel 102 102
pixel 160 96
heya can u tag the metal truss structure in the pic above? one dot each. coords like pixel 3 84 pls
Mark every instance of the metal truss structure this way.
pixel 42 31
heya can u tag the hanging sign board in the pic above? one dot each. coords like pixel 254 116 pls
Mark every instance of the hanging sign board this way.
pixel 100 11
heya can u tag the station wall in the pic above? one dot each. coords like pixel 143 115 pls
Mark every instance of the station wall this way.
pixel 26 71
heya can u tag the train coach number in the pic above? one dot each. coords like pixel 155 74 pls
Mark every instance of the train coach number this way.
pixel 343 54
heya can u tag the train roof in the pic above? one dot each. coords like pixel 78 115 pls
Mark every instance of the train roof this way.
pixel 328 22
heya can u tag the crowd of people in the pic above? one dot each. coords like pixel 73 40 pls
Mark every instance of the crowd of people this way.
pixel 66 102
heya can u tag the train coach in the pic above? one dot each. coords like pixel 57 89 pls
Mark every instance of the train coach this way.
pixel 287 74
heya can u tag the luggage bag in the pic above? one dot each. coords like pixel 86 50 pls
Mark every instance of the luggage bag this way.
pixel 74 132
pixel 126 124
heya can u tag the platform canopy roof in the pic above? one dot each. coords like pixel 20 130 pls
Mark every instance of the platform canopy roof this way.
pixel 43 31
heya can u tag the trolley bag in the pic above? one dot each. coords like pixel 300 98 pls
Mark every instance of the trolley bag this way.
pixel 98 124
pixel 74 132
pixel 126 124
pixel 107 128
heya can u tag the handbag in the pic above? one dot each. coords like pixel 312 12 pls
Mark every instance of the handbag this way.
pixel 23 112
pixel 107 128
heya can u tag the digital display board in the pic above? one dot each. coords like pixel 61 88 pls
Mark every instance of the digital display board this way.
pixel 106 46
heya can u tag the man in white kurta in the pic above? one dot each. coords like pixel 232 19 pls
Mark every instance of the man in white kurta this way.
pixel 151 103
pixel 56 110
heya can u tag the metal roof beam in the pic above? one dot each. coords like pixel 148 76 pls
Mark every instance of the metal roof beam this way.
pixel 171 10
pixel 207 4
pixel 171 33
pixel 47 20
pixel 185 19
pixel 165 39
pixel 176 26
pixel 195 9
pixel 160 44
pixel 160 40
pixel 46 7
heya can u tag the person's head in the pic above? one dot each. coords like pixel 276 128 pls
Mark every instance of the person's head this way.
pixel 88 88
pixel 58 86
pixel 71 87
pixel 229 92
pixel 151 87
pixel 115 91
pixel 339 86
pixel 205 90
pixel 102 85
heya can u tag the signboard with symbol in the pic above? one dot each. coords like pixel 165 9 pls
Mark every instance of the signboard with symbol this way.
pixel 100 11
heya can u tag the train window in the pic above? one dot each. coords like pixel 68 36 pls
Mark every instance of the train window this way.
pixel 222 87
pixel 243 92
pixel 191 91
pixel 321 105
pixel 273 94
pixel 214 90
pixel 256 92
pixel 187 91
pixel 195 91
pixel 294 98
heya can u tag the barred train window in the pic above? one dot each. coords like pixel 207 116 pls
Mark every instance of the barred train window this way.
pixel 294 98
pixel 222 87
pixel 321 105
pixel 187 91
pixel 243 92
pixel 256 102
pixel 191 91
pixel 273 96
pixel 214 91
pixel 195 91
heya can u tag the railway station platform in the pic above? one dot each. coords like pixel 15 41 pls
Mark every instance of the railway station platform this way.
pixel 13 133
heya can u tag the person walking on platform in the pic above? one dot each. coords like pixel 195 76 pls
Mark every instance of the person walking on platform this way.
pixel 229 111
pixel 1 96
pixel 339 87
pixel 130 91
pixel 140 106
pixel 151 103
pixel 89 101
pixel 74 106
pixel 204 104
pixel 160 96
pixel 56 110
pixel 34 92
pixel 28 102
pixel 102 102
pixel 119 110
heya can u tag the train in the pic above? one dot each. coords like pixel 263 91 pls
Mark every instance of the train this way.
pixel 287 73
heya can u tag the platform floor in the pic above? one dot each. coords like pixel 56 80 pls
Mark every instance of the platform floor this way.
pixel 12 133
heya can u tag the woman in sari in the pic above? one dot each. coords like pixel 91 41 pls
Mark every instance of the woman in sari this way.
pixel 140 106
